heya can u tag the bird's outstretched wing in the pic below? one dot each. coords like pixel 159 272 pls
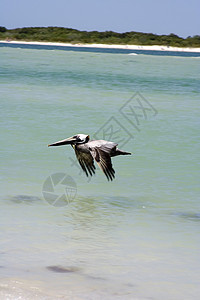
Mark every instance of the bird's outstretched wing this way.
pixel 101 154
pixel 103 159
pixel 86 162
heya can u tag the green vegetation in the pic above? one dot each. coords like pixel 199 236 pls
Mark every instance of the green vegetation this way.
pixel 68 35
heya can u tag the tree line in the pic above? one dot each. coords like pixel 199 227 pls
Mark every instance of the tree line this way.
pixel 69 35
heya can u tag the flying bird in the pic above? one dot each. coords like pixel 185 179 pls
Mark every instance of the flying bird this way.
pixel 87 151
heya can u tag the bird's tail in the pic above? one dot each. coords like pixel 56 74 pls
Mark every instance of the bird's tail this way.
pixel 125 153
pixel 121 152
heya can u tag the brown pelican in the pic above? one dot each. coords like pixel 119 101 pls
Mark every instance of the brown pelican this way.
pixel 86 151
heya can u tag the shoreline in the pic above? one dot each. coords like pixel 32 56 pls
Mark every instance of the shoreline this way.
pixel 113 46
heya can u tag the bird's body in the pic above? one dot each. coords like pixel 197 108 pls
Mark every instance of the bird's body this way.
pixel 99 150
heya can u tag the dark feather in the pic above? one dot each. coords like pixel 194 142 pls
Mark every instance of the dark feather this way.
pixel 104 161
pixel 86 162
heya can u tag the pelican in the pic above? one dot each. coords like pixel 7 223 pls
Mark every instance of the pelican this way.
pixel 87 151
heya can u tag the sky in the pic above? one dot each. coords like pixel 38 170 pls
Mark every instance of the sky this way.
pixel 180 17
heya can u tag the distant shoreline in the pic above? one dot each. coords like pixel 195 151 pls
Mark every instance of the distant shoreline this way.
pixel 108 46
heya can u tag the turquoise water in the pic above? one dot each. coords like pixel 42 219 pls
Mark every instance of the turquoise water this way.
pixel 137 237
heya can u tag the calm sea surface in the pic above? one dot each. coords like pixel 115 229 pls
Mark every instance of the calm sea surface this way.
pixel 137 237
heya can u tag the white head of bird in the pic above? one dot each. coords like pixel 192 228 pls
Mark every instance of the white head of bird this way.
pixel 81 138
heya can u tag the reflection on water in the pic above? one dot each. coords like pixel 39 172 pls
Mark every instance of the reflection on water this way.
pixel 97 208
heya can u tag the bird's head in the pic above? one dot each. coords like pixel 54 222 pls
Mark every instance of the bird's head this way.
pixel 76 139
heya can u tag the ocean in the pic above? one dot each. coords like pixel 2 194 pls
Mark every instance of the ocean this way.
pixel 66 236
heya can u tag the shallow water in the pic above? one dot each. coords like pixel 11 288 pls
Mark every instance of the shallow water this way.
pixel 137 237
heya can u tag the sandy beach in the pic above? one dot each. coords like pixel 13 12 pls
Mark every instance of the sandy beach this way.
pixel 129 47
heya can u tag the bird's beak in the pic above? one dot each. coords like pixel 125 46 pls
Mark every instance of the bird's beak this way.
pixel 64 142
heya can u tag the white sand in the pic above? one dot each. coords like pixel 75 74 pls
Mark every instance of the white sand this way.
pixel 129 47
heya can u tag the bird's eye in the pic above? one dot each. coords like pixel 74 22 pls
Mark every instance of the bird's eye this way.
pixel 77 138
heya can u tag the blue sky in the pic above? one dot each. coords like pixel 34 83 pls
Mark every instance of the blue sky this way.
pixel 156 16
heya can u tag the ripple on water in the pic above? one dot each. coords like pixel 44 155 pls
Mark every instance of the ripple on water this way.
pixel 60 269
pixel 24 199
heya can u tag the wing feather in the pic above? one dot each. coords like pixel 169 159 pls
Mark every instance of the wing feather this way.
pixel 86 162
pixel 103 159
